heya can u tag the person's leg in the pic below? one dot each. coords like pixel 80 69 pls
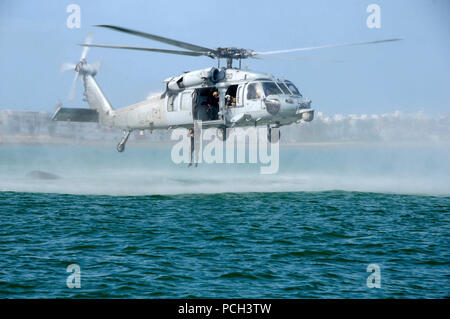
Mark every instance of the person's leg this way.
pixel 216 112
pixel 196 157
pixel 192 151
pixel 210 113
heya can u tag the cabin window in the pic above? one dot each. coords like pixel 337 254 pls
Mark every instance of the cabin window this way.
pixel 186 101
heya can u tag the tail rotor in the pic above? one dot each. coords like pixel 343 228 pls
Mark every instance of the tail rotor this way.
pixel 81 66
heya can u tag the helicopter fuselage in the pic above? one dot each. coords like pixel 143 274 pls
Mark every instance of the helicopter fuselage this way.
pixel 245 99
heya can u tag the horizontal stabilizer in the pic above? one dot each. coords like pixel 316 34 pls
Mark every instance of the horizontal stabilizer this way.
pixel 75 115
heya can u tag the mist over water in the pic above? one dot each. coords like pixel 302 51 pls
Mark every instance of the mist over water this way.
pixel 397 127
pixel 396 153
pixel 142 171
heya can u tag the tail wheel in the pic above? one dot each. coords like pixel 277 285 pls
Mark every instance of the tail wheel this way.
pixel 276 137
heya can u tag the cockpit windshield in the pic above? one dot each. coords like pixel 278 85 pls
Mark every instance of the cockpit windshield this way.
pixel 292 88
pixel 284 88
pixel 270 88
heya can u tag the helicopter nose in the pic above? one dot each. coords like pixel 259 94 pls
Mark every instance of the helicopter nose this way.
pixel 273 106
pixel 305 103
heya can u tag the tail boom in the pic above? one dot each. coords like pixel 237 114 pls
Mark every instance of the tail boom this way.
pixel 97 100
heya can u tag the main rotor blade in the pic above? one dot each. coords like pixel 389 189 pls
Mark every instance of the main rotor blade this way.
pixel 145 49
pixel 325 47
pixel 176 43
pixel 283 58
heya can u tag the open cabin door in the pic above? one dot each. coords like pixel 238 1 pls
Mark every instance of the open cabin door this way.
pixel 179 108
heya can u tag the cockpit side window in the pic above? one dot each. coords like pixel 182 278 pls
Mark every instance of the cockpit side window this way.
pixel 284 88
pixel 254 91
pixel 270 88
pixel 292 88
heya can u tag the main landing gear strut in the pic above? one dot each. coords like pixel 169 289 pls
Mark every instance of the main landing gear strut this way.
pixel 121 145
pixel 273 136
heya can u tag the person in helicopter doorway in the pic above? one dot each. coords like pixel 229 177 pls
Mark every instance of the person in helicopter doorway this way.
pixel 213 105
pixel 194 147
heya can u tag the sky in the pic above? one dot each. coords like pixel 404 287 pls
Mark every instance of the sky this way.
pixel 409 76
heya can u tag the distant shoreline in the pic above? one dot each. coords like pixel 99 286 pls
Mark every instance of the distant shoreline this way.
pixel 143 142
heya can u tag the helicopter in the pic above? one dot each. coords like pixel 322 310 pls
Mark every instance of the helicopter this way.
pixel 220 97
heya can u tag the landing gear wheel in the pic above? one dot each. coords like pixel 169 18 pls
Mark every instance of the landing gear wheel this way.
pixel 120 147
pixel 276 137
pixel 222 133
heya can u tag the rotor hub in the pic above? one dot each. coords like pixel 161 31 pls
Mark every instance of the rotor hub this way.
pixel 233 53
